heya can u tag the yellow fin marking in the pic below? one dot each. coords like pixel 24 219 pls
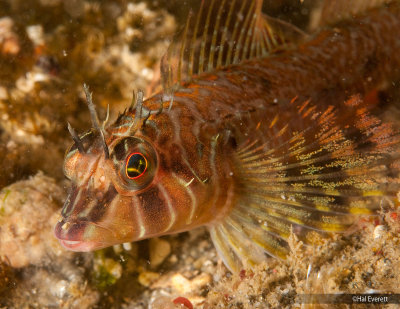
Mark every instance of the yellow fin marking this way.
pixel 273 122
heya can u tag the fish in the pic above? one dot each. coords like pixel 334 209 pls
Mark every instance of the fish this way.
pixel 259 132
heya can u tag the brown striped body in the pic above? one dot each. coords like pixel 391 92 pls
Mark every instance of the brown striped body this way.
pixel 198 136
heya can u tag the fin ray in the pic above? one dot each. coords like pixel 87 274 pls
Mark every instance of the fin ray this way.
pixel 329 167
pixel 233 31
pixel 225 252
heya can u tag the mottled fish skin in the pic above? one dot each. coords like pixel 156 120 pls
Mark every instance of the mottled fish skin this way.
pixel 355 56
pixel 200 144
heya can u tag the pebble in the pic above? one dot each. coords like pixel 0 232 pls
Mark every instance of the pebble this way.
pixel 147 278
pixel 164 302
pixel 182 285
pixel 9 41
pixel 28 212
pixel 159 251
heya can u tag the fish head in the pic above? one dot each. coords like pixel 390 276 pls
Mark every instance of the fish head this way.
pixel 140 190
pixel 83 225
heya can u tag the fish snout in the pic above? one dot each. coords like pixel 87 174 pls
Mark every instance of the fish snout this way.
pixel 83 236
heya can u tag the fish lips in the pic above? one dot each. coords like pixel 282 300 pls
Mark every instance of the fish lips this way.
pixel 81 236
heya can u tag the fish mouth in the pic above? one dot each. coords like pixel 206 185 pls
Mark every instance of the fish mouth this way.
pixel 83 236
pixel 79 246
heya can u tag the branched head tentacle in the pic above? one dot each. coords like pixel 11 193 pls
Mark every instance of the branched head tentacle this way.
pixel 170 103
pixel 139 108
pixel 107 117
pixel 146 117
pixel 142 113
pixel 133 102
pixel 137 105
pixel 76 139
pixel 160 110
pixel 95 119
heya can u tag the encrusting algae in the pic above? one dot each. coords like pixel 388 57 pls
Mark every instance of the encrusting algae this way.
pixel 269 137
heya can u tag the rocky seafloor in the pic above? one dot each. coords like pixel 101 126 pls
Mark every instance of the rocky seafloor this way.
pixel 48 49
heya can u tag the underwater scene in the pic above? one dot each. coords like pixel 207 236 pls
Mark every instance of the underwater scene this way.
pixel 199 154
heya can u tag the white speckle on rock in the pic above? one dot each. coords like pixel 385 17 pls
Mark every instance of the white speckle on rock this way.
pixel 60 288
pixel 379 231
pixel 35 34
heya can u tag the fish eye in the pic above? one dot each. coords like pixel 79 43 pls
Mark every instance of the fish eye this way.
pixel 136 165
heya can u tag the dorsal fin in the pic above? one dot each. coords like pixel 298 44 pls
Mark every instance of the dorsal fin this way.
pixel 333 11
pixel 221 33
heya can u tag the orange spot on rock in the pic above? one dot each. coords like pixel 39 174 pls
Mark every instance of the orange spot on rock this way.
pixel 242 274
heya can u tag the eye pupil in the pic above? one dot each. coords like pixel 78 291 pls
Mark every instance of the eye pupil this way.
pixel 136 165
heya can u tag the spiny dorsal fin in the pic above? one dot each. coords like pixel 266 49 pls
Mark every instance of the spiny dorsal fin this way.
pixel 222 33
pixel 332 11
